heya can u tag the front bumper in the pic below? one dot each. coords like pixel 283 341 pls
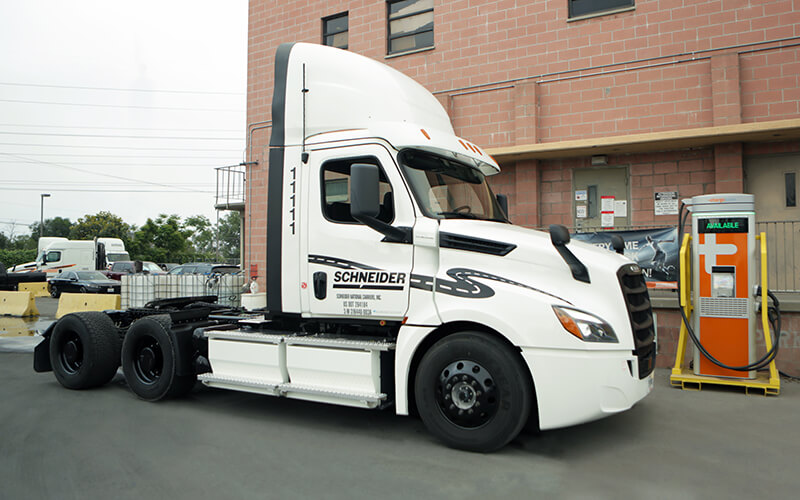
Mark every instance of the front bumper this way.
pixel 574 387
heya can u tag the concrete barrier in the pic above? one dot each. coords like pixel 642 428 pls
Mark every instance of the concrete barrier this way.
pixel 37 289
pixel 18 304
pixel 77 302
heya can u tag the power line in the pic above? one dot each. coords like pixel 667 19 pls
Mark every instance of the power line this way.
pixel 116 89
pixel 106 190
pixel 91 172
pixel 109 164
pixel 127 136
pixel 118 156
pixel 20 101
pixel 125 128
pixel 131 148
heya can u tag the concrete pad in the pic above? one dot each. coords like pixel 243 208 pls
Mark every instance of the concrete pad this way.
pixel 37 289
pixel 77 302
pixel 18 304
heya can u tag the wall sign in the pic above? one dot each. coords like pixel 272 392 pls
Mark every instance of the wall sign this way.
pixel 665 203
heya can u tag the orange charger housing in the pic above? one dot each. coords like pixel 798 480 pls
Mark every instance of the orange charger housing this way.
pixel 724 280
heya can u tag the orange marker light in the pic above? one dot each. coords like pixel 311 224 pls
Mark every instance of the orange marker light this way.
pixel 568 324
pixel 425 134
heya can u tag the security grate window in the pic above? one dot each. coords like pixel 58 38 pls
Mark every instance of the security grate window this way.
pixel 410 25
pixel 579 8
pixel 334 30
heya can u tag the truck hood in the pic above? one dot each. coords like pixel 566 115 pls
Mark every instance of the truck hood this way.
pixel 533 249
pixel 527 280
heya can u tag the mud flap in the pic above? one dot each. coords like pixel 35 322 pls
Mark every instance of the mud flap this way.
pixel 41 354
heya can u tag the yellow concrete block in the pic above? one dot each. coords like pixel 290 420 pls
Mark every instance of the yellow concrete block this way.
pixel 18 304
pixel 37 289
pixel 77 302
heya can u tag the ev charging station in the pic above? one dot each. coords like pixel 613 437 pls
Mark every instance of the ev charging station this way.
pixel 724 281
pixel 723 278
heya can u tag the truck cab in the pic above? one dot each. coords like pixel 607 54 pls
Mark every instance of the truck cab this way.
pixel 395 279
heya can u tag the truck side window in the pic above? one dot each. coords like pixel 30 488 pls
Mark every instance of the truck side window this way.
pixel 336 191
pixel 53 256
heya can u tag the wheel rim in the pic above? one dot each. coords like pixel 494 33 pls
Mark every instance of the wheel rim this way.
pixel 71 353
pixel 148 360
pixel 466 394
pixel 53 291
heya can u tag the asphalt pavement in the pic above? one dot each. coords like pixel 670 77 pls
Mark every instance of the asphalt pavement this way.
pixel 105 443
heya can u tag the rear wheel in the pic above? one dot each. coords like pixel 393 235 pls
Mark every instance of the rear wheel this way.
pixel 84 350
pixel 83 290
pixel 54 291
pixel 149 360
pixel 473 392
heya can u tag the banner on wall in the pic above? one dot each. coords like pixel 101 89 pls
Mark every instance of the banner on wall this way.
pixel 655 250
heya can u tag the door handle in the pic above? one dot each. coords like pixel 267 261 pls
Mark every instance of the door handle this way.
pixel 320 285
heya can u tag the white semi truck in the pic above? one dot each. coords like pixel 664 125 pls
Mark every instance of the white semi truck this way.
pixel 393 279
pixel 55 254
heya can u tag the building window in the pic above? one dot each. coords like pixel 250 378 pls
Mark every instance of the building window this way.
pixel 580 8
pixel 410 25
pixel 334 30
pixel 791 193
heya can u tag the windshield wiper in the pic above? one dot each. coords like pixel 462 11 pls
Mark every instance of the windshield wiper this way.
pixel 463 215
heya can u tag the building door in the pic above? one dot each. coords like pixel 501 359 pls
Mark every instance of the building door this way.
pixel 773 180
pixel 600 198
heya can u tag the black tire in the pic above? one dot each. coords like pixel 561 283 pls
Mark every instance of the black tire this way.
pixel 473 392
pixel 84 350
pixel 83 290
pixel 149 355
pixel 55 292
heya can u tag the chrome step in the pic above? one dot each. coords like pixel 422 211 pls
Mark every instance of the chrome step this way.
pixel 288 389
pixel 212 380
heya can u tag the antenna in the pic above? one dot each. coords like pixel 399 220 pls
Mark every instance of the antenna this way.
pixel 304 155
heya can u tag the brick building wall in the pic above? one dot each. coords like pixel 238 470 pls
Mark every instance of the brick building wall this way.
pixel 514 73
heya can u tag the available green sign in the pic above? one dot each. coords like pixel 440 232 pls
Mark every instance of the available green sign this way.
pixel 723 225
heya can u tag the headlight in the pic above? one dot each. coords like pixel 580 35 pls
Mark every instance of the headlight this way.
pixel 585 326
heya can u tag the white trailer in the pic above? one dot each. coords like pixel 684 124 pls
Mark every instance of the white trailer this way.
pixel 393 279
pixel 57 254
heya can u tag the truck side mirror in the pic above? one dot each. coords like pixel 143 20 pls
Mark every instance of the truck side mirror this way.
pixel 502 200
pixel 364 191
pixel 365 204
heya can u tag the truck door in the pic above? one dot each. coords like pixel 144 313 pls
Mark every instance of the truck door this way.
pixel 351 272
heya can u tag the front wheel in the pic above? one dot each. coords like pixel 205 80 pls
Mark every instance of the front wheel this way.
pixel 54 291
pixel 473 392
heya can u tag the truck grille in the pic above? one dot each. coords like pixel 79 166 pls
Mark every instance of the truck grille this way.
pixel 637 301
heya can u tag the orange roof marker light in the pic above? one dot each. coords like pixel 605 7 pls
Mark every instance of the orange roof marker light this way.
pixel 425 134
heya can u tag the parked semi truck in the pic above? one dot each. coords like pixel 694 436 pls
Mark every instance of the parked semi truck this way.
pixel 55 254
pixel 393 279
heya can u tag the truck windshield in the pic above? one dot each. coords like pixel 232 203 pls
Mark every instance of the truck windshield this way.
pixel 447 189
pixel 113 257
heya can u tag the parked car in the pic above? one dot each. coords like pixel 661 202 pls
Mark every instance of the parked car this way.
pixel 167 266
pixel 204 268
pixel 82 282
pixel 122 267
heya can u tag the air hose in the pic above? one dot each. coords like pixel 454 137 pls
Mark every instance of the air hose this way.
pixel 773 313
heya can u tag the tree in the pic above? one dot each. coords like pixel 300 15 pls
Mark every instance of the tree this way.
pixel 57 226
pixel 103 224
pixel 201 236
pixel 229 232
pixel 161 240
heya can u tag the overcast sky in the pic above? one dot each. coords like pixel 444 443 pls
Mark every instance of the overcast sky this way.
pixel 119 106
